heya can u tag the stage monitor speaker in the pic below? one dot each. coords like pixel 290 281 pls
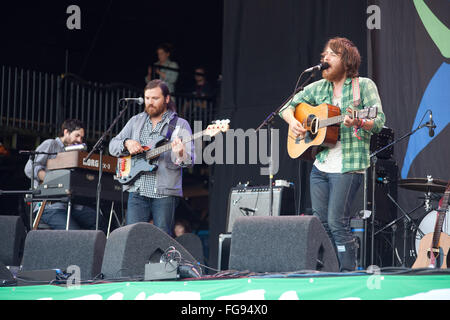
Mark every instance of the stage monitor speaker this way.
pixel 59 249
pixel 281 244
pixel 130 248
pixel 255 201
pixel 12 240
pixel 6 277
pixel 223 257
pixel 192 243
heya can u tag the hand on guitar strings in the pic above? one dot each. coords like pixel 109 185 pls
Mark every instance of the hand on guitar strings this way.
pixel 133 146
pixel 297 129
pixel 178 147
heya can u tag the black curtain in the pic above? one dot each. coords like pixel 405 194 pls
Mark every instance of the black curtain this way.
pixel 266 45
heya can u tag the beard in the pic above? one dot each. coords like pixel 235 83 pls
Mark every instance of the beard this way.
pixel 334 73
pixel 156 111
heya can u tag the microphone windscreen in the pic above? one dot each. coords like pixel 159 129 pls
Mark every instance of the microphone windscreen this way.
pixel 325 66
pixel 76 147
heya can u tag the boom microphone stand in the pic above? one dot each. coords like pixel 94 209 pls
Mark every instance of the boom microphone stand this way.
pixel 268 122
pixel 99 145
pixel 373 160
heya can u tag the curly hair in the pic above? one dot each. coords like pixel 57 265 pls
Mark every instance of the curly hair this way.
pixel 349 54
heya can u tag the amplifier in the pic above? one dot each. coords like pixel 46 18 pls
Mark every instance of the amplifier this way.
pixel 255 201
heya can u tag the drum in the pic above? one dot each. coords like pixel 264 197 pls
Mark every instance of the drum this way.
pixel 428 223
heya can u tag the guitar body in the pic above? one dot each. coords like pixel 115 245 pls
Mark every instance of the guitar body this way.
pixel 309 117
pixel 442 254
pixel 129 168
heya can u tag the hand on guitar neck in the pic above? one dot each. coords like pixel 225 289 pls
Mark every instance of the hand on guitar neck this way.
pixel 350 121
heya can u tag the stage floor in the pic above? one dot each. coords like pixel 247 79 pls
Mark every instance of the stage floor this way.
pixel 313 286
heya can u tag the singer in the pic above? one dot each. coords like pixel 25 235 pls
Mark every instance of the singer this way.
pixel 338 171
pixel 55 213
pixel 156 194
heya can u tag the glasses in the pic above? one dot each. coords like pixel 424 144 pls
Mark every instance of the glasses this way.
pixel 329 53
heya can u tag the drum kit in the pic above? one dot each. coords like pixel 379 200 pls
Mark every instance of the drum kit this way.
pixel 430 187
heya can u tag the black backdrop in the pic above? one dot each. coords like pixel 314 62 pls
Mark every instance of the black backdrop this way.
pixel 266 45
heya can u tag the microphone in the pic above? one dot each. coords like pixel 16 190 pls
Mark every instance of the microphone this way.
pixel 431 126
pixel 76 147
pixel 247 210
pixel 320 66
pixel 139 100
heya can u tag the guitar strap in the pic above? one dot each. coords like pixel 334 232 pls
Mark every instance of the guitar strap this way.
pixel 172 127
pixel 356 92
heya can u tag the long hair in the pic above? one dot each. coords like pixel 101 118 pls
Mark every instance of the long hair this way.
pixel 349 55
pixel 164 89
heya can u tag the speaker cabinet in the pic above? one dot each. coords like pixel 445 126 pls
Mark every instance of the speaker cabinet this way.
pixel 12 240
pixel 224 251
pixel 130 248
pixel 59 249
pixel 255 202
pixel 281 244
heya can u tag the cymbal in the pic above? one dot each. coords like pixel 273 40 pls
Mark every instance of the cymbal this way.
pixel 423 184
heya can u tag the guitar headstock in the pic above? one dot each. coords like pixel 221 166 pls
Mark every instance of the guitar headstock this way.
pixel 366 113
pixel 217 126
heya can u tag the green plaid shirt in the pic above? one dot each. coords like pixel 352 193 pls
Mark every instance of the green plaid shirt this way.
pixel 355 152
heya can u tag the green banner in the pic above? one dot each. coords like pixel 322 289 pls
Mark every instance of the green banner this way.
pixel 374 287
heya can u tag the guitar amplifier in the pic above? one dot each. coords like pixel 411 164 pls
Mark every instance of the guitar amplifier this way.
pixel 255 201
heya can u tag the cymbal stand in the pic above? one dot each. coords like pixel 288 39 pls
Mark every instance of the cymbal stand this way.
pixel 406 220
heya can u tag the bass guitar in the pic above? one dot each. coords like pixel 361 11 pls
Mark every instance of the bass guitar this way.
pixel 434 246
pixel 322 125
pixel 129 168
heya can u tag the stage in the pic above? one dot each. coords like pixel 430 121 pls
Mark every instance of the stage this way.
pixel 402 284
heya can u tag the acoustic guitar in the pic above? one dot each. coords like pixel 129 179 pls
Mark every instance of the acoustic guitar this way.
pixel 434 246
pixel 322 124
pixel 129 167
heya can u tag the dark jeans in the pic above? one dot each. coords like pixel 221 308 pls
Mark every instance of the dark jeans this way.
pixel 161 210
pixel 331 198
pixel 81 218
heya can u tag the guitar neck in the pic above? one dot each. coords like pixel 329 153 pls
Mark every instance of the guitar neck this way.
pixel 361 114
pixel 153 153
pixel 331 121
pixel 440 220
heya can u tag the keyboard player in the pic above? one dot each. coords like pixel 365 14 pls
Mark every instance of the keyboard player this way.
pixel 55 213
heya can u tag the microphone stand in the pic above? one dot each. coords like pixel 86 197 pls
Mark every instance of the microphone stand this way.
pixel 99 145
pixel 373 160
pixel 32 191
pixel 268 122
